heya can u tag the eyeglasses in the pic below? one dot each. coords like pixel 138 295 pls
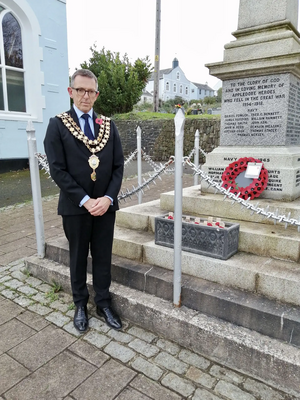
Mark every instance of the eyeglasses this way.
pixel 82 92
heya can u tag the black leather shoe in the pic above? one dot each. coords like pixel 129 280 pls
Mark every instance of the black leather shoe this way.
pixel 81 321
pixel 111 318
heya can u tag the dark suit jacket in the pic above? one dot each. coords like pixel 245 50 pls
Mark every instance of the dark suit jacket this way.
pixel 69 168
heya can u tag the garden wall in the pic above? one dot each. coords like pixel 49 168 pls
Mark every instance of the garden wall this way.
pixel 158 136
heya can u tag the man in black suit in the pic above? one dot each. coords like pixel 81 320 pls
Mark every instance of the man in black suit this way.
pixel 86 162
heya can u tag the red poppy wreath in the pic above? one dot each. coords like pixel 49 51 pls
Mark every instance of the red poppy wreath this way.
pixel 234 169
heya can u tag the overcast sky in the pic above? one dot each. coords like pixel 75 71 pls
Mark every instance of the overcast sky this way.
pixel 194 31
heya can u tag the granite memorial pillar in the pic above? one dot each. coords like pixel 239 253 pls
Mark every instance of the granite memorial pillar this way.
pixel 261 96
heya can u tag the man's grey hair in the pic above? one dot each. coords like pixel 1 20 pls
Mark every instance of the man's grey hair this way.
pixel 84 72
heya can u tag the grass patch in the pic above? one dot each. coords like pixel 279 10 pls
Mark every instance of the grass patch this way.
pixel 52 295
pixel 16 187
pixel 71 307
pixel 26 272
pixel 144 116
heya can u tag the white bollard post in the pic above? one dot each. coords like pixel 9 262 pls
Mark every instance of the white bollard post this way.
pixel 139 160
pixel 179 134
pixel 196 158
pixel 36 190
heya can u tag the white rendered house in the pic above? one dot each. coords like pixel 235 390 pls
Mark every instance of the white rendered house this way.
pixel 173 82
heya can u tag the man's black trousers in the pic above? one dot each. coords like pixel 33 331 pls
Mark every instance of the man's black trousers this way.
pixel 86 232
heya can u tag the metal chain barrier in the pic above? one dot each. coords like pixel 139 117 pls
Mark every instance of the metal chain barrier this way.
pixel 149 160
pixel 244 203
pixel 130 158
pixel 43 162
pixel 135 190
pixel 192 153
pixel 163 168
pixel 203 152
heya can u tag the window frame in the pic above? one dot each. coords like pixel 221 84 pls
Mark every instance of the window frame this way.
pixel 4 68
pixel 32 58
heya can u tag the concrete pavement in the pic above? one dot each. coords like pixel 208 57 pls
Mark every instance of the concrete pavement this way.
pixel 43 357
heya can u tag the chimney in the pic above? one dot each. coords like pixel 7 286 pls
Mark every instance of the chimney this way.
pixel 175 63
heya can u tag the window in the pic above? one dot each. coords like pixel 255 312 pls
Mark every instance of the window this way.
pixel 174 88
pixel 178 76
pixel 186 90
pixel 193 90
pixel 20 64
pixel 12 87
pixel 167 86
pixel 180 89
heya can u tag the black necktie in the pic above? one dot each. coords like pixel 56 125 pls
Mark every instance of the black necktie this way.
pixel 87 129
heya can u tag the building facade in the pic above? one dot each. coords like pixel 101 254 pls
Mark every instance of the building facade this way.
pixel 34 71
pixel 146 97
pixel 173 82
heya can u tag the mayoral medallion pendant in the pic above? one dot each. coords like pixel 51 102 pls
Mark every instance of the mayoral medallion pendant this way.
pixel 94 163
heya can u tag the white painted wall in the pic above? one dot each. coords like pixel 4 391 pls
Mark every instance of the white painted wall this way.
pixel 45 57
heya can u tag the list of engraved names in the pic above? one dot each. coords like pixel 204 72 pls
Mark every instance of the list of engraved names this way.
pixel 261 111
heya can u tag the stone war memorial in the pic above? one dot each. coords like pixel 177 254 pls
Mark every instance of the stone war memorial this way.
pixel 241 308
pixel 261 95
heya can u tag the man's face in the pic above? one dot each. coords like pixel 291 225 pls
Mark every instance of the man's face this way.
pixel 84 102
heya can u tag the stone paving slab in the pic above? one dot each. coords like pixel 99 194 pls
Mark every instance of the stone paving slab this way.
pixel 109 380
pixel 39 360
pixel 8 310
pixel 88 352
pixel 11 373
pixel 66 371
pixel 131 394
pixel 157 391
pixel 19 253
pixel 11 237
pixel 34 321
pixel 24 223
pixel 13 333
pixel 3 232
pixel 41 347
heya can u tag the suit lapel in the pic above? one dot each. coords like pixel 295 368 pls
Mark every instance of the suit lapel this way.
pixel 74 116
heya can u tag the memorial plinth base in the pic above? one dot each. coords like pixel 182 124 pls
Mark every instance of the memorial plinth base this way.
pixel 282 163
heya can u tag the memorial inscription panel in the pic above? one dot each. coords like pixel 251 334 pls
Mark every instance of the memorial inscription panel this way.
pixel 261 111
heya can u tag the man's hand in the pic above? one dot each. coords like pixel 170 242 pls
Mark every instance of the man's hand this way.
pixel 100 206
pixel 89 204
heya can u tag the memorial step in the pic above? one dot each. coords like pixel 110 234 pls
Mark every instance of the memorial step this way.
pixel 210 204
pixel 255 238
pixel 275 279
pixel 233 346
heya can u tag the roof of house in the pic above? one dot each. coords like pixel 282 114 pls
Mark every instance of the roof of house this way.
pixel 161 73
pixel 203 87
pixel 146 93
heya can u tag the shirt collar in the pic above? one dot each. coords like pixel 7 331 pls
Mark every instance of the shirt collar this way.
pixel 80 113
